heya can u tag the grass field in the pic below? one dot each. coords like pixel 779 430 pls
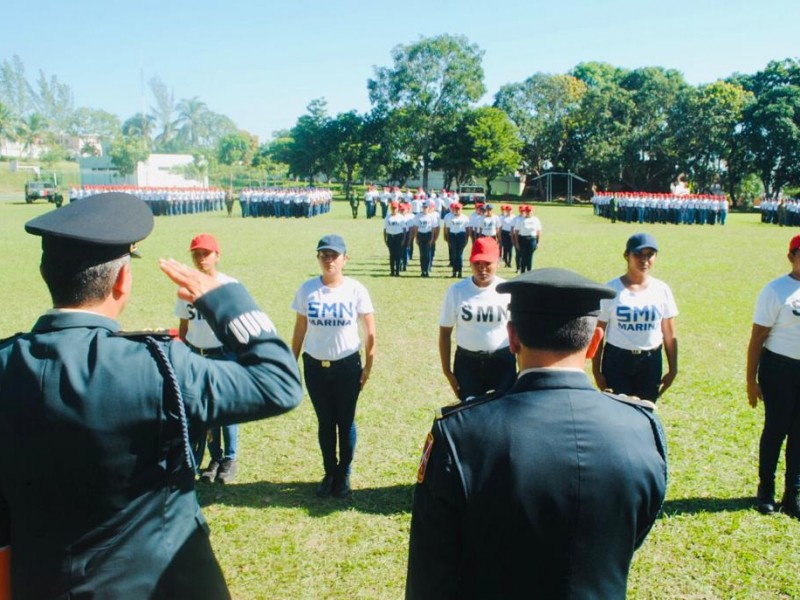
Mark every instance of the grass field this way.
pixel 274 539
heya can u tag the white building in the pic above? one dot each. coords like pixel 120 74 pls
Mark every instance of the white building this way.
pixel 159 170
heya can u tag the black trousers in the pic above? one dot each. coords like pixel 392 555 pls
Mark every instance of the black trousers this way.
pixel 480 372
pixel 333 387
pixel 633 373
pixel 779 377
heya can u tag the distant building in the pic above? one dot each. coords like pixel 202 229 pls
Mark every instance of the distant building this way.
pixel 159 170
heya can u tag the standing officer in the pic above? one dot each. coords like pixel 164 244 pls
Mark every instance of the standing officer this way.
pixel 544 491
pixel 96 473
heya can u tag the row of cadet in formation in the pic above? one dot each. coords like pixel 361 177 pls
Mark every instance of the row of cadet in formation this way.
pixel 254 202
pixel 373 198
pixel 424 223
pixel 646 207
pixel 784 212
pixel 164 201
pixel 285 202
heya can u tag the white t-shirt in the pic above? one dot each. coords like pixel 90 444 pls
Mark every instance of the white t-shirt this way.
pixel 394 224
pixel 478 314
pixel 199 333
pixel 456 223
pixel 634 318
pixel 778 307
pixel 489 225
pixel 528 226
pixel 332 315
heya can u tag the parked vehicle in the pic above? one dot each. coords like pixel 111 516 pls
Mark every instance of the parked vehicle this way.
pixel 35 190
pixel 470 194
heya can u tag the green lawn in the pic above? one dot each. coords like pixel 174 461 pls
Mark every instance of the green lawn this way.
pixel 274 539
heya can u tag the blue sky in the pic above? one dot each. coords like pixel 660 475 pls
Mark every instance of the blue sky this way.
pixel 260 63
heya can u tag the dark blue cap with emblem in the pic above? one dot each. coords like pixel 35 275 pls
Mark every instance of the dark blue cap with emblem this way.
pixel 101 227
pixel 557 292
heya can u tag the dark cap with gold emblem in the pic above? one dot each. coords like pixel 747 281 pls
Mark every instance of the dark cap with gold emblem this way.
pixel 98 228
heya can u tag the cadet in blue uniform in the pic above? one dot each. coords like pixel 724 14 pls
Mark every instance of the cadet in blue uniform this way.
pixel 545 491
pixel 96 472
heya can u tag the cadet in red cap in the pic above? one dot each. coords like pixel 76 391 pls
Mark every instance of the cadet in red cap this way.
pixel 197 333
pixel 479 315
pixel 773 375
pixel 455 234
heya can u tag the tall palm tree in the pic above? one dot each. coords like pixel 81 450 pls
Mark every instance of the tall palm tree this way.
pixel 139 125
pixel 32 131
pixel 192 122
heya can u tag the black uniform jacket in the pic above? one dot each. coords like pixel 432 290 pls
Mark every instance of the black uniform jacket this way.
pixel 93 473
pixel 542 493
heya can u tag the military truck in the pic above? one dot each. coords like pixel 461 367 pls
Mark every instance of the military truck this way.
pixel 35 190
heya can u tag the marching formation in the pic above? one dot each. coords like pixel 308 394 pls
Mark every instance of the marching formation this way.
pixel 285 202
pixel 650 207
pixel 518 236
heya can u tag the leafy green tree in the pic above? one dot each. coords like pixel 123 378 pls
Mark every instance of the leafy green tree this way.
pixel 545 110
pixel 127 151
pixel 430 83
pixel 706 131
pixel 347 145
pixel 89 121
pixel 772 137
pixel 495 142
pixel 387 158
pixel 306 150
pixel 234 148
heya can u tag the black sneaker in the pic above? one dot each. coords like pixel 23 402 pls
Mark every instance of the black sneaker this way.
pixel 325 487
pixel 209 474
pixel 227 471
pixel 341 487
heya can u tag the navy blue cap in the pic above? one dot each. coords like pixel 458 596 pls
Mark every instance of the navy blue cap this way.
pixel 332 242
pixel 639 241
pixel 555 291
pixel 103 226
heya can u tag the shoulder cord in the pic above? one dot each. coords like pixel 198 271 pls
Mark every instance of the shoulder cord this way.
pixel 172 381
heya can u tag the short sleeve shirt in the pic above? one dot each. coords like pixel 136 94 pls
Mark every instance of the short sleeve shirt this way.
pixel 332 314
pixel 478 314
pixel 634 318
pixel 199 333
pixel 778 307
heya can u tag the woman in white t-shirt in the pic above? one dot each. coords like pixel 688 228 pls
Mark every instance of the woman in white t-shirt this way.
pixel 638 323
pixel 773 375
pixel 329 309
pixel 479 314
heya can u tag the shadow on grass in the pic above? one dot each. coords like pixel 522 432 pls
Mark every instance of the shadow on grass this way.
pixel 692 506
pixel 389 500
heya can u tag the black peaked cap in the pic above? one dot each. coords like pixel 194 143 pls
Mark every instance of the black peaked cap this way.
pixel 557 292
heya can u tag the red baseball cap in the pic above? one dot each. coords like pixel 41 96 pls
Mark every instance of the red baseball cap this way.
pixel 795 243
pixel 204 241
pixel 485 249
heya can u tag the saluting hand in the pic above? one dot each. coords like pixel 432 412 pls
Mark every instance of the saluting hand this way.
pixel 191 283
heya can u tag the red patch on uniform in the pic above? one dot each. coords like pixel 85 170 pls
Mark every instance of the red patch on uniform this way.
pixel 426 454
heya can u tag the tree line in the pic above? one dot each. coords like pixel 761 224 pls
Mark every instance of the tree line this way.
pixel 621 129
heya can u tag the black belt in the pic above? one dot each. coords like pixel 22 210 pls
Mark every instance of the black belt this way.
pixel 637 352
pixel 480 353
pixel 216 351
pixel 327 364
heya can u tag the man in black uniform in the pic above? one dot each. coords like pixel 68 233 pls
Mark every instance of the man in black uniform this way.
pixel 96 473
pixel 546 491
